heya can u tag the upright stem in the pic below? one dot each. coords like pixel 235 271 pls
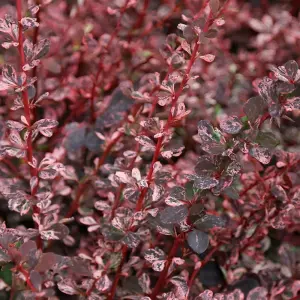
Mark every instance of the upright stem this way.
pixel 118 274
pixel 100 67
pixel 25 98
pixel 161 281
pixel 22 62
pixel 160 140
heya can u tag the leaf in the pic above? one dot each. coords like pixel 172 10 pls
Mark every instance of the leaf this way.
pixel 206 295
pixel 291 68
pixel 292 104
pixel 88 220
pixel 164 98
pixel 205 164
pixel 27 248
pixel 182 288
pixel 9 75
pixel 219 22
pixel 208 57
pixel 4 257
pixel 15 139
pixel 214 6
pixel 259 293
pixel 55 232
pixel 266 139
pixel 67 287
pixel 19 204
pixel 209 221
pixel 205 182
pixel 158 191
pixel 14 152
pixel 262 154
pixel 267 89
pixel 36 280
pixel 212 33
pixel 103 284
pixel 231 125
pixel 198 241
pixel 211 275
pixel 146 142
pixel 186 47
pixel 154 254
pixel 132 240
pixel 102 205
pixel 158 265
pixel 144 282
pixel 176 196
pixel 279 193
pixel 29 23
pixel 173 215
pixel 47 261
pixel 14 125
pixel 253 108
pixel 288 72
pixel 45 124
pixel 41 49
pixel 48 174
pixel 28 50
pixel 6 273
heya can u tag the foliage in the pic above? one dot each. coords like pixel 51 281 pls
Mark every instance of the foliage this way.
pixel 149 149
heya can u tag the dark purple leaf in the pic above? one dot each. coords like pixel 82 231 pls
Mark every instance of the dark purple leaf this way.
pixel 41 49
pixel 266 139
pixel 132 240
pixel 174 214
pixel 36 280
pixel 231 125
pixel 55 232
pixel 253 108
pixel 262 154
pixel 198 241
pixel 209 221
pixel 67 286
pixel 205 182
pixel 259 293
pixel 177 194
pixel 47 261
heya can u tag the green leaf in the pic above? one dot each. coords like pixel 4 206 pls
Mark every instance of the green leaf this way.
pixel 267 139
pixel 6 273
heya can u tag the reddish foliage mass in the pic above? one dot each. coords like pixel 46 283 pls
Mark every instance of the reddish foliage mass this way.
pixel 149 149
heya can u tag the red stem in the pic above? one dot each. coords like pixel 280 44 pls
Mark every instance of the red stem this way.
pixel 33 171
pixel 118 274
pixel 161 281
pixel 27 276
pixel 203 263
pixel 100 67
pixel 160 140
pixel 83 186
pixel 24 93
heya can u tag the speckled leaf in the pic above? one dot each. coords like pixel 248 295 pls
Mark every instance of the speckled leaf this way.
pixel 231 125
pixel 205 182
pixel 174 214
pixel 209 221
pixel 262 154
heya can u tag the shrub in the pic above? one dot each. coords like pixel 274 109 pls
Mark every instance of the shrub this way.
pixel 149 149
